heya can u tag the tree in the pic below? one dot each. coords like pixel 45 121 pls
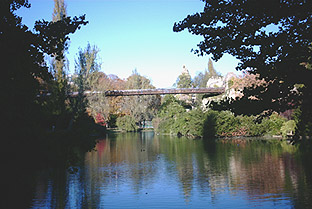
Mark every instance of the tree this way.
pixel 86 68
pixel 21 69
pixel 24 70
pixel 169 112
pixel 127 123
pixel 271 38
pixel 59 11
pixel 201 79
pixel 212 71
pixel 142 108
pixel 184 80
pixel 58 63
pixel 55 41
pixel 98 104
pixel 87 72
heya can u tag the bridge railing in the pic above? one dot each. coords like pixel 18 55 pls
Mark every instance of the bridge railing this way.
pixel 138 92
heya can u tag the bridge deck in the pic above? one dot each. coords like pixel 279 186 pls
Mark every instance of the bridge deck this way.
pixel 136 92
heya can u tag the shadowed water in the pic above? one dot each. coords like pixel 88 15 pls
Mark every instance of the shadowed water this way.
pixel 143 170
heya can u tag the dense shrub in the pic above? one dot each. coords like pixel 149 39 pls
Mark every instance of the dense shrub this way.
pixel 169 117
pixel 174 119
pixel 226 123
pixel 273 124
pixel 251 126
pixel 195 123
pixel 209 129
pixel 288 127
pixel 126 123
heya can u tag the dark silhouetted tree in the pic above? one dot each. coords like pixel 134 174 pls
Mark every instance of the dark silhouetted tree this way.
pixel 271 38
pixel 23 67
pixel 55 38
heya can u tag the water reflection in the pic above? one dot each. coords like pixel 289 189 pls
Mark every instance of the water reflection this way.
pixel 143 170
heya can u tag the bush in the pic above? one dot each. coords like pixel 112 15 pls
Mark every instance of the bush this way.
pixel 227 123
pixel 170 117
pixel 195 120
pixel 126 123
pixel 288 127
pixel 273 124
pixel 209 129
pixel 252 128
pixel 173 119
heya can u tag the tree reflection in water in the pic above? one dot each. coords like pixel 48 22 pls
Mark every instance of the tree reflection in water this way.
pixel 144 170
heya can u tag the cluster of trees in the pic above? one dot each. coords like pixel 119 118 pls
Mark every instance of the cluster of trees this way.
pixel 279 61
pixel 36 85
pixel 35 102
pixel 26 74
pixel 185 80
pixel 128 113
pixel 180 115
pixel 174 118
pixel 274 45
pixel 135 110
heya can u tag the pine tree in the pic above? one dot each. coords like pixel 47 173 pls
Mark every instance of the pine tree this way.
pixel 184 80
pixel 212 71
pixel 59 13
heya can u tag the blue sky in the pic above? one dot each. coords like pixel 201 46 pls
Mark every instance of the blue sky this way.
pixel 134 34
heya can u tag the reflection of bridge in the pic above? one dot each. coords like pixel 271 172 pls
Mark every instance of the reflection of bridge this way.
pixel 138 92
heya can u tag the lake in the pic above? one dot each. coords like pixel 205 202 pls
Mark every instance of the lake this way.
pixel 144 170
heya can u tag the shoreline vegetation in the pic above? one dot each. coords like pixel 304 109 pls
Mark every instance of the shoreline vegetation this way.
pixel 59 125
pixel 175 118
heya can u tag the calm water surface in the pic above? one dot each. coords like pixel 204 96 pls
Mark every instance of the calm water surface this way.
pixel 143 170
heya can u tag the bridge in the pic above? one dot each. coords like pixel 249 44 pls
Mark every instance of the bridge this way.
pixel 140 92
pixel 209 92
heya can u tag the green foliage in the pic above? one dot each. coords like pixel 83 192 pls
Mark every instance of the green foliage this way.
pixel 142 108
pixel 304 124
pixel 251 126
pixel 183 123
pixel 288 127
pixel 174 119
pixel 126 123
pixel 184 80
pixel 275 45
pixel 25 74
pixel 58 65
pixel 168 113
pixel 210 124
pixel 226 122
pixel 59 11
pixel 112 120
pixel 273 124
pixel 87 65
pixel 212 71
pixel 85 78
pixel 195 123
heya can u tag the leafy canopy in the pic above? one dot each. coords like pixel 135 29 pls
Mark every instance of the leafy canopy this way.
pixel 271 38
